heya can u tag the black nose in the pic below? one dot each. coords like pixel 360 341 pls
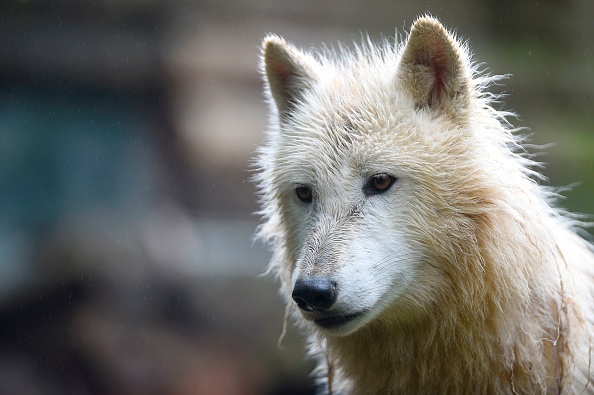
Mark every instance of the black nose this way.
pixel 314 293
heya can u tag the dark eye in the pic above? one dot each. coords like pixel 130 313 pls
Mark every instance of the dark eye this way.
pixel 304 194
pixel 379 183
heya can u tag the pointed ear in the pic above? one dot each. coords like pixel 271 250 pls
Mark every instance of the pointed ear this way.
pixel 434 67
pixel 288 73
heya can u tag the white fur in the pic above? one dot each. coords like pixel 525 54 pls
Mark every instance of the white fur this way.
pixel 469 280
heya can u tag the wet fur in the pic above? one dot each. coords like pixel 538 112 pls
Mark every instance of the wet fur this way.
pixel 498 294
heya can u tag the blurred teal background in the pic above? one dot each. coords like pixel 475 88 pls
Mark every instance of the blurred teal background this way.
pixel 126 127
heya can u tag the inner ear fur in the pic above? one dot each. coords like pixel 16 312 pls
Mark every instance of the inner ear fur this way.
pixel 287 71
pixel 433 66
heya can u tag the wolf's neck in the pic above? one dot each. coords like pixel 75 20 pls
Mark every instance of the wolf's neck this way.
pixel 421 359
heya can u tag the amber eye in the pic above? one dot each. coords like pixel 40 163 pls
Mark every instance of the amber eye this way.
pixel 304 194
pixel 377 184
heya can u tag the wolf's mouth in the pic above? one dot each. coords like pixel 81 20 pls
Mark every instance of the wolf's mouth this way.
pixel 337 320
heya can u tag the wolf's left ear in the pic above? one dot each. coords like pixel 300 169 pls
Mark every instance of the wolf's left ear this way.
pixel 288 73
pixel 433 66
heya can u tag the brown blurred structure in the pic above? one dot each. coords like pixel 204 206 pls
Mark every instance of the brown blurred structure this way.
pixel 127 261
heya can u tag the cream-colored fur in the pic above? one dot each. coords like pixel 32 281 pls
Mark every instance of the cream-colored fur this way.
pixel 460 277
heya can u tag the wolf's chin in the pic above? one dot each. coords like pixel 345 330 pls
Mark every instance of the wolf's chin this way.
pixel 341 324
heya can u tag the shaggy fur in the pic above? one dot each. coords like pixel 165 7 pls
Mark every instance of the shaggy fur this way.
pixel 463 276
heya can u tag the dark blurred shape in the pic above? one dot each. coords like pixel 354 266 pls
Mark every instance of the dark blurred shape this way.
pixel 37 354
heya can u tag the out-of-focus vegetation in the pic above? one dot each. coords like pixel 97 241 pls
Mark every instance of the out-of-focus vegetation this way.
pixel 126 127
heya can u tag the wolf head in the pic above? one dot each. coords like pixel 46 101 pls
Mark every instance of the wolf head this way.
pixel 370 197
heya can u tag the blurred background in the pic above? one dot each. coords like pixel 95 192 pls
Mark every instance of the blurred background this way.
pixel 127 261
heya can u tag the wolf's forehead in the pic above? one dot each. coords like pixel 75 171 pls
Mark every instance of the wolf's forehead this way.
pixel 352 106
pixel 341 145
pixel 344 130
pixel 331 134
pixel 323 146
pixel 344 121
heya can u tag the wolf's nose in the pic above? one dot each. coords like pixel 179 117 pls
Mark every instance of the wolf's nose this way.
pixel 314 293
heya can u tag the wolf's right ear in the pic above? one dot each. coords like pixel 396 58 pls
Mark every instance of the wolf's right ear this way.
pixel 287 71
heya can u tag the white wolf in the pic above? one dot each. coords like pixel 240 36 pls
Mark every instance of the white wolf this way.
pixel 409 229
